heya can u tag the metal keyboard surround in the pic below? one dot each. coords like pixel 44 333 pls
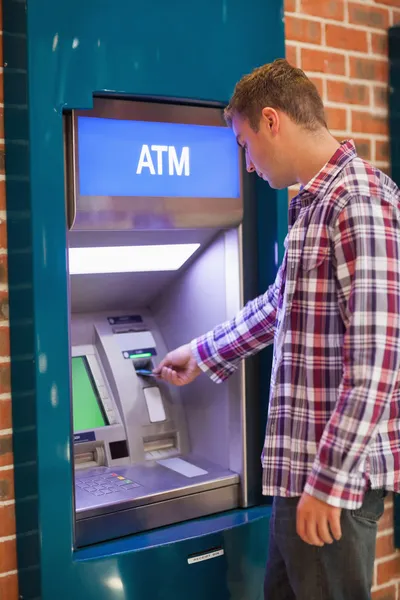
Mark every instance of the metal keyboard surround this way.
pixel 153 496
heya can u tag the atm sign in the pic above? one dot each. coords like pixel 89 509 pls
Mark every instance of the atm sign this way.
pixel 142 158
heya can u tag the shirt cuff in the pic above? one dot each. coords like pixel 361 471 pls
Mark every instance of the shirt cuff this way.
pixel 209 360
pixel 336 488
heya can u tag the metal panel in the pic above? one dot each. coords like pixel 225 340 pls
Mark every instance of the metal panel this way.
pixel 120 523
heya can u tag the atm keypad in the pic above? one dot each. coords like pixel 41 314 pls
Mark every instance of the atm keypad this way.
pixel 108 484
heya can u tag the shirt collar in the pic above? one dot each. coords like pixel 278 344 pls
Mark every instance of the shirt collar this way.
pixel 319 184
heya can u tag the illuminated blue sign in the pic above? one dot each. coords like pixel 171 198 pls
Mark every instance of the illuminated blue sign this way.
pixel 141 158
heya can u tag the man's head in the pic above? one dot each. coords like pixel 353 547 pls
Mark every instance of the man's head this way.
pixel 271 112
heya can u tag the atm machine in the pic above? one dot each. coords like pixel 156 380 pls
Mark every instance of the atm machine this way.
pixel 155 208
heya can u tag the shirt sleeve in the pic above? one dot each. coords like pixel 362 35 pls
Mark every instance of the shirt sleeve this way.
pixel 219 351
pixel 367 264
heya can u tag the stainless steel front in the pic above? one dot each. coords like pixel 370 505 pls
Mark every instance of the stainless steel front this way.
pixel 142 518
pixel 154 496
pixel 154 483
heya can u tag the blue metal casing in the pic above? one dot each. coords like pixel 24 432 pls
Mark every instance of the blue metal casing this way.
pixel 57 54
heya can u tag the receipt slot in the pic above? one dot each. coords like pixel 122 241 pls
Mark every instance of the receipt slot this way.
pixel 156 207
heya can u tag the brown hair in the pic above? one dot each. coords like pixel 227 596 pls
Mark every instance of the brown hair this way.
pixel 282 87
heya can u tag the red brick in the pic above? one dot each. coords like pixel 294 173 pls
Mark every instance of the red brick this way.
pixel 336 118
pixel 365 68
pixel 341 91
pixel 389 2
pixel 381 95
pixel 317 81
pixel 303 30
pixel 1 121
pixel 382 153
pixel 5 414
pixel 4 310
pixel 6 450
pixel 328 9
pixel 2 192
pixel 385 545
pixel 396 17
pixel 8 556
pixel 3 234
pixel 2 152
pixel 388 593
pixel 346 38
pixel 386 521
pixel 290 5
pixel 291 55
pixel 388 570
pixel 371 16
pixel 364 122
pixel 9 587
pixel 3 269
pixel 7 520
pixel 322 62
pixel 5 386
pixel 363 147
pixel 7 485
pixel 379 43
pixel 387 169
pixel 4 342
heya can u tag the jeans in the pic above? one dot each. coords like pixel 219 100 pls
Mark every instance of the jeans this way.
pixel 339 571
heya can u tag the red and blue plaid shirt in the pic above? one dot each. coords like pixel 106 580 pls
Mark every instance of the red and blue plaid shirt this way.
pixel 333 315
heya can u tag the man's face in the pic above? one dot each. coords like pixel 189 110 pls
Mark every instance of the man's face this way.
pixel 262 151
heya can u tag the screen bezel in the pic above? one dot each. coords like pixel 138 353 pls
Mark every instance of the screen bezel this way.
pixel 82 352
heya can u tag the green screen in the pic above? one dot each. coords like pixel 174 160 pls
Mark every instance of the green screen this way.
pixel 86 409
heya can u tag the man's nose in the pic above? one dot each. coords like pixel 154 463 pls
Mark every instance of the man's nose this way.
pixel 249 166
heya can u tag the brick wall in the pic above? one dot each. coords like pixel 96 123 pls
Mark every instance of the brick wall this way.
pixel 8 558
pixel 342 46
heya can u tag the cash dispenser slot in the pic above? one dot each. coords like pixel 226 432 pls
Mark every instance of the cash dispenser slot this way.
pixel 156 447
pixel 90 454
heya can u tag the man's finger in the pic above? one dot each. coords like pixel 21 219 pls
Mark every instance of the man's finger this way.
pixel 167 374
pixel 301 526
pixel 171 376
pixel 334 524
pixel 312 532
pixel 323 530
pixel 165 361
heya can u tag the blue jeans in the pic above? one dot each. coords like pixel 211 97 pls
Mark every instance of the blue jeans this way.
pixel 339 571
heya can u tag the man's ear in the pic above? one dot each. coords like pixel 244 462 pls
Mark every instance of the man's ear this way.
pixel 270 118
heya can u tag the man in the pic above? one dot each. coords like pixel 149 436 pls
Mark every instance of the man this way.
pixel 332 446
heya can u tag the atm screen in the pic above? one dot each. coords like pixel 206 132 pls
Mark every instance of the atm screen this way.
pixel 87 410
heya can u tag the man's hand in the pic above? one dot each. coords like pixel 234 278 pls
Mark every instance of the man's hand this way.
pixel 317 521
pixel 179 367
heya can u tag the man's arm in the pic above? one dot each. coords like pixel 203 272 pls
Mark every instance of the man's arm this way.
pixel 367 255
pixel 219 351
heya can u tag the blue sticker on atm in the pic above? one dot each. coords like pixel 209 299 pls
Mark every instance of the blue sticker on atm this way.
pixel 85 436
pixel 150 159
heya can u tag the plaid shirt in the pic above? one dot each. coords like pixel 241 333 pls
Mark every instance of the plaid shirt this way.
pixel 333 314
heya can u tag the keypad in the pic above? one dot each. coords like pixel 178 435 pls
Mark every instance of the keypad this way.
pixel 107 484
